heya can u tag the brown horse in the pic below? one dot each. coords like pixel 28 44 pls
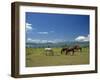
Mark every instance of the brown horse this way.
pixel 67 50
pixel 77 48
pixel 63 50
pixel 72 49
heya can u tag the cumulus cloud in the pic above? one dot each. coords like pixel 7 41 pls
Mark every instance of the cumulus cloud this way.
pixel 42 32
pixel 82 38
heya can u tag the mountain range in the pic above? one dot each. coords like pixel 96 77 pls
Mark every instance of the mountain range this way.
pixel 58 44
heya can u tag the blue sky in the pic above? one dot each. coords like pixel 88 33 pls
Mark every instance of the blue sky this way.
pixel 46 27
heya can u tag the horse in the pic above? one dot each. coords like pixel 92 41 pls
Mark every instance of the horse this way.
pixel 64 49
pixel 49 51
pixel 67 50
pixel 72 49
pixel 78 48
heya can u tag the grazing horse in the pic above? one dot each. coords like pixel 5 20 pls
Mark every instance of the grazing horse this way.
pixel 72 49
pixel 63 50
pixel 67 50
pixel 77 48
pixel 49 51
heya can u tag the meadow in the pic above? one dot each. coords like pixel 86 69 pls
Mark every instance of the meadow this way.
pixel 36 57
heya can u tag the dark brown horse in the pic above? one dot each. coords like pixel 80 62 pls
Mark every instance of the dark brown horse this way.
pixel 77 48
pixel 67 50
pixel 72 49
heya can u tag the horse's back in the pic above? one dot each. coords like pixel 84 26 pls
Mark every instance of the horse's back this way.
pixel 48 48
pixel 49 51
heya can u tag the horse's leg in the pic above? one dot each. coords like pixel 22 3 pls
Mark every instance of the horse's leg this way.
pixel 73 52
pixel 61 51
pixel 66 52
pixel 46 53
pixel 80 49
pixel 52 53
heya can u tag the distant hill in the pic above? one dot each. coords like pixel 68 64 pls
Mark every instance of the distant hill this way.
pixel 58 44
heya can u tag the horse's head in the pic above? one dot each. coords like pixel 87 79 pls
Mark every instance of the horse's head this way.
pixel 77 47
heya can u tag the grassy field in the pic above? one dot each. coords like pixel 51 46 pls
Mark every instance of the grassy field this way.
pixel 36 57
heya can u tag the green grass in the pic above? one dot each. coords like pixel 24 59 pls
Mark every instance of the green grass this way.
pixel 36 57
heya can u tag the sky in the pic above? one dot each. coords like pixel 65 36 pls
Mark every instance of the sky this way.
pixel 47 27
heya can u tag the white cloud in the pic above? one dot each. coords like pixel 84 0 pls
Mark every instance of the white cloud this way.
pixel 45 32
pixel 29 39
pixel 33 40
pixel 42 32
pixel 36 40
pixel 43 40
pixel 52 41
pixel 28 26
pixel 82 38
